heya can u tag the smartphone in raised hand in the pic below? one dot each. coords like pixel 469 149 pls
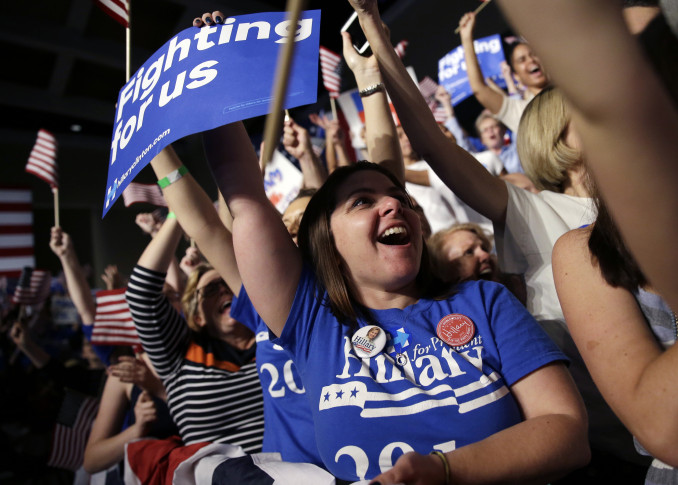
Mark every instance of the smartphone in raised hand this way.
pixel 352 26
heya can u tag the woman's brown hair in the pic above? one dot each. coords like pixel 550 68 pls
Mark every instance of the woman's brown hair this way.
pixel 316 243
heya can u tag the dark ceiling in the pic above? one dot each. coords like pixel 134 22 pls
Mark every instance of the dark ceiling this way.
pixel 64 63
pixel 64 59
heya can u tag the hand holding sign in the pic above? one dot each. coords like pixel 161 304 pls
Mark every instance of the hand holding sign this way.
pixel 467 25
pixel 205 78
pixel 474 13
pixel 452 69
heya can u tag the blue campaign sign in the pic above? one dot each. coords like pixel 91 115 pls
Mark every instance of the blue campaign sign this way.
pixel 204 78
pixel 452 68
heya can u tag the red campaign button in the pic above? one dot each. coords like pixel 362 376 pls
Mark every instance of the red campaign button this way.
pixel 455 329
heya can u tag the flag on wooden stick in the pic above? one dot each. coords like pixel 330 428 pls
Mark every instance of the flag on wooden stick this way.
pixel 33 287
pixel 42 160
pixel 331 71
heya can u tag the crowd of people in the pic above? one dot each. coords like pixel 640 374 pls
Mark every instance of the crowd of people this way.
pixel 437 313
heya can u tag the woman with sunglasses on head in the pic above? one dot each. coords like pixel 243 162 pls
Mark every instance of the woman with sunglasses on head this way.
pixel 206 361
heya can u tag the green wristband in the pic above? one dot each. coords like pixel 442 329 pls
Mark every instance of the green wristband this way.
pixel 171 215
pixel 446 465
pixel 172 177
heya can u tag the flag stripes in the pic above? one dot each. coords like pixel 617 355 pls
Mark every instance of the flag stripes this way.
pixel 16 241
pixel 330 68
pixel 149 193
pixel 33 287
pixel 117 9
pixel 401 47
pixel 16 231
pixel 42 159
pixel 113 324
pixel 70 433
pixel 428 87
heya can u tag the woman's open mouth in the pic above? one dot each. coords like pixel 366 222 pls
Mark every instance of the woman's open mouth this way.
pixel 394 236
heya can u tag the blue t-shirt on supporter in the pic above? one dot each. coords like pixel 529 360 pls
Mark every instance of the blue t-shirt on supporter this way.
pixel 288 423
pixel 370 411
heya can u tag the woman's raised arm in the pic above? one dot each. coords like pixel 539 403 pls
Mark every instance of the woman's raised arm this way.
pixel 160 251
pixel 198 217
pixel 61 244
pixel 462 173
pixel 380 131
pixel 484 93
pixel 624 116
pixel 267 260
pixel 634 374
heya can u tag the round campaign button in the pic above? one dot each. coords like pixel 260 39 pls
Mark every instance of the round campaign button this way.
pixel 455 329
pixel 368 341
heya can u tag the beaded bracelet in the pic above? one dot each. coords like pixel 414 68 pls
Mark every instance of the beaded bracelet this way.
pixel 446 464
pixel 369 90
pixel 172 177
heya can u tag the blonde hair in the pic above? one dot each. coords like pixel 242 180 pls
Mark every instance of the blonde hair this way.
pixel 189 300
pixel 543 152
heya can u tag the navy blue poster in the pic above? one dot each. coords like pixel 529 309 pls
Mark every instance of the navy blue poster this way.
pixel 452 68
pixel 206 77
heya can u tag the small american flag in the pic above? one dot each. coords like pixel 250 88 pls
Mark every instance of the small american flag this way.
pixel 428 87
pixel 113 324
pixel 16 231
pixel 330 68
pixel 42 160
pixel 72 429
pixel 149 193
pixel 33 287
pixel 118 9
pixel 401 47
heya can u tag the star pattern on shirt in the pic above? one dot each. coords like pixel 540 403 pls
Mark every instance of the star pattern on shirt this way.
pixel 327 396
pixel 354 392
pixel 401 338
pixel 340 394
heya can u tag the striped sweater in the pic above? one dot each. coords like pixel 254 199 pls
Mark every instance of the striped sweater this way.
pixel 210 397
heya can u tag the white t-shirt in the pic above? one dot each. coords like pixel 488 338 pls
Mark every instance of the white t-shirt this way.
pixel 462 212
pixel 490 161
pixel 437 208
pixel 511 110
pixel 534 222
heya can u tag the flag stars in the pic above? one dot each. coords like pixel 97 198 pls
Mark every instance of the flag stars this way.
pixel 354 392
pixel 340 394
pixel 327 396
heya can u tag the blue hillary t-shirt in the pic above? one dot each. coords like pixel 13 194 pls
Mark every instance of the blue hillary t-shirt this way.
pixel 288 423
pixel 370 411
